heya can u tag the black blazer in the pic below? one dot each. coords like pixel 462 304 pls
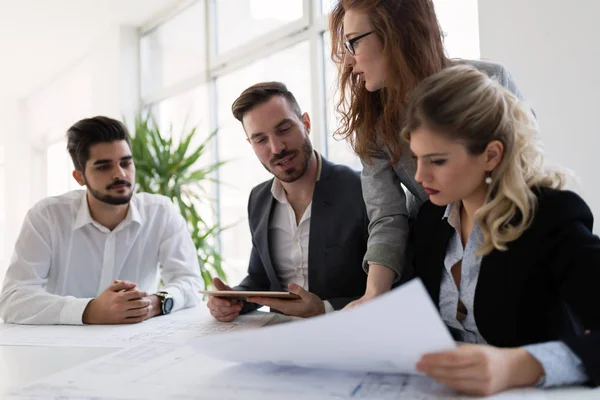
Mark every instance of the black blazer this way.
pixel 544 287
pixel 337 240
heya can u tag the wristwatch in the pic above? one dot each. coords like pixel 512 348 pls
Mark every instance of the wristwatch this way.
pixel 166 302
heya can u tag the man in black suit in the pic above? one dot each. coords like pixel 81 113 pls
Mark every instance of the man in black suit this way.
pixel 308 223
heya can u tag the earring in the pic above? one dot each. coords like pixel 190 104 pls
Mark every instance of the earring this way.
pixel 488 180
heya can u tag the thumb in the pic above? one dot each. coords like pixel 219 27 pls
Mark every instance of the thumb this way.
pixel 219 285
pixel 298 291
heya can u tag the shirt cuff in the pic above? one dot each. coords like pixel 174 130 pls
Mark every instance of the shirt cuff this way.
pixel 561 365
pixel 72 311
pixel 177 295
pixel 328 307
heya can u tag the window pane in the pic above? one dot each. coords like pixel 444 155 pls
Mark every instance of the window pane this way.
pixel 327 5
pixel 177 116
pixel 338 150
pixel 175 50
pixel 243 171
pixel 2 212
pixel 460 22
pixel 59 170
pixel 251 18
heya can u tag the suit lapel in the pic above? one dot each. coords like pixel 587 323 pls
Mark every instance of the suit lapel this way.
pixel 262 236
pixel 322 204
pixel 501 278
pixel 432 256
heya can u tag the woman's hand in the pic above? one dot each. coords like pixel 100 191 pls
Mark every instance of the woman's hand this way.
pixel 379 281
pixel 482 370
pixel 365 298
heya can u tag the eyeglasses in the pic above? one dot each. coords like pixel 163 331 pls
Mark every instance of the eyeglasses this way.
pixel 350 43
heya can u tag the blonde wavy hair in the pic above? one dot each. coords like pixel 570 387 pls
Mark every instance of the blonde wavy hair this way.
pixel 467 106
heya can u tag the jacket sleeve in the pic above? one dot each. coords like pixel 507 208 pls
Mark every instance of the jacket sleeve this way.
pixel 576 257
pixel 508 82
pixel 385 201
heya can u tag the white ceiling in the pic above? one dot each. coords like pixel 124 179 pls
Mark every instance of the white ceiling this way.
pixel 40 38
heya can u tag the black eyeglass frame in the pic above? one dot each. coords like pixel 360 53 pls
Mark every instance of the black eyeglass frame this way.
pixel 349 44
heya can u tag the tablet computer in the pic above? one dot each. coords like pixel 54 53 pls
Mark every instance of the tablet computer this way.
pixel 242 294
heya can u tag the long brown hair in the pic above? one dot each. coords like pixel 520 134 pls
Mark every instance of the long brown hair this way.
pixel 412 44
pixel 466 106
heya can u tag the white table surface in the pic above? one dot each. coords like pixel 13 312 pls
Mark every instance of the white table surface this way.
pixel 24 364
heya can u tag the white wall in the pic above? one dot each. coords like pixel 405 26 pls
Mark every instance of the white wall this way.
pixel 552 47
pixel 104 82
pixel 18 182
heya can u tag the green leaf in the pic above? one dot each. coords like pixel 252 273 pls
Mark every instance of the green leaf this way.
pixel 163 168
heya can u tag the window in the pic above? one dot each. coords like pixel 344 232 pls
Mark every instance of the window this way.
pixel 327 6
pixel 177 116
pixel 243 171
pixel 59 170
pixel 2 213
pixel 460 22
pixel 174 51
pixel 251 19
pixel 253 41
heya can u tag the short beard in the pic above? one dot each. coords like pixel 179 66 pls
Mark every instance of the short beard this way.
pixel 307 152
pixel 107 198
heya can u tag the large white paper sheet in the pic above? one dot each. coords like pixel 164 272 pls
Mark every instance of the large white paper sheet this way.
pixel 178 327
pixel 387 335
pixel 178 372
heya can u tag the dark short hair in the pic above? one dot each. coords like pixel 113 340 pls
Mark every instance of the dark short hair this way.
pixel 261 93
pixel 87 132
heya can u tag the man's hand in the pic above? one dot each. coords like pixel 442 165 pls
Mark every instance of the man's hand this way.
pixel 120 303
pixel 482 370
pixel 308 305
pixel 222 309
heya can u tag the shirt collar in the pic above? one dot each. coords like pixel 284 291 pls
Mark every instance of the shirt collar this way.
pixel 452 214
pixel 277 189
pixel 319 165
pixel 84 217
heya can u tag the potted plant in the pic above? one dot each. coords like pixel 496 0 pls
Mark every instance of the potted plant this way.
pixel 171 169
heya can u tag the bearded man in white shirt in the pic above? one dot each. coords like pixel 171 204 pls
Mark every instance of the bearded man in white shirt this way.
pixel 309 224
pixel 92 256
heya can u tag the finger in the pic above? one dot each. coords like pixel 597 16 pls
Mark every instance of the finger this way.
pixel 138 312
pixel 117 286
pixel 219 302
pixel 470 387
pixel 285 306
pixel 223 311
pixel 298 291
pixel 133 295
pixel 475 372
pixel 220 285
pixel 228 318
pixel 139 303
pixel 461 357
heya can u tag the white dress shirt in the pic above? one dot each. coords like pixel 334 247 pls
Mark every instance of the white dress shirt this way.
pixel 63 258
pixel 288 241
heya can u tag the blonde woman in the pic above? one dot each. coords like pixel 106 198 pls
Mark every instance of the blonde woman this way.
pixel 507 256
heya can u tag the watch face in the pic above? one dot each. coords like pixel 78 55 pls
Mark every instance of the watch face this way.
pixel 167 305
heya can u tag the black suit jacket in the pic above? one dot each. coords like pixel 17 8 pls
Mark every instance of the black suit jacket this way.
pixel 337 239
pixel 544 287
